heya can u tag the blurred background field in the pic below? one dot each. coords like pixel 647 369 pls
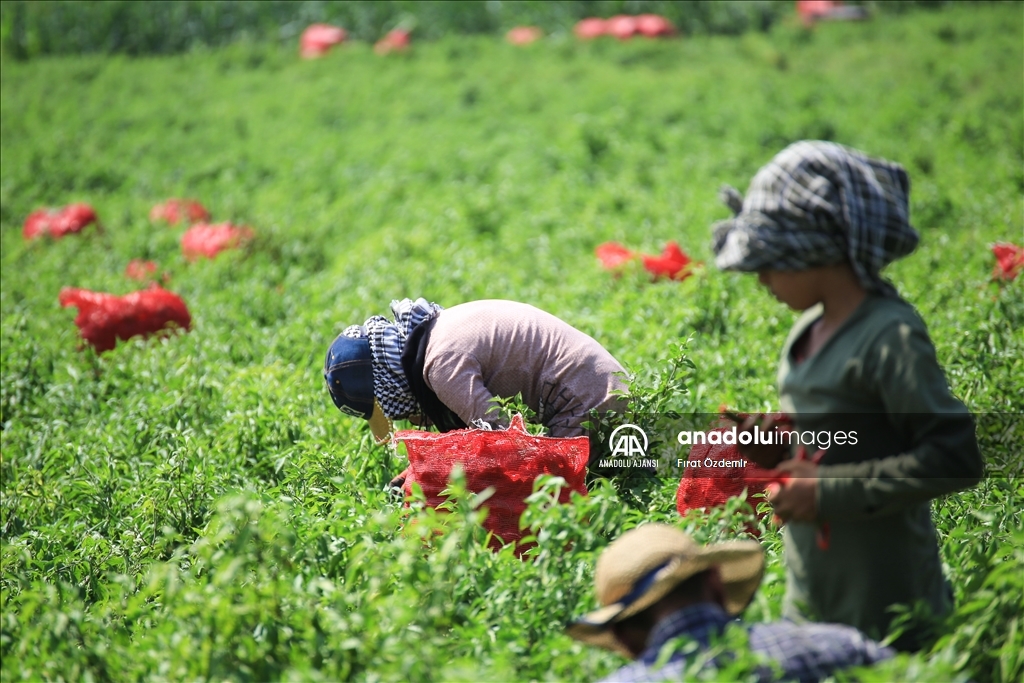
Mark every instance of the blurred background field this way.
pixel 195 507
pixel 161 27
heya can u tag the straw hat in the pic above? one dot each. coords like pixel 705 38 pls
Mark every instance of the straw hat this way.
pixel 646 563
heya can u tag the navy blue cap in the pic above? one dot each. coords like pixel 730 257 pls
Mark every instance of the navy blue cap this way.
pixel 349 376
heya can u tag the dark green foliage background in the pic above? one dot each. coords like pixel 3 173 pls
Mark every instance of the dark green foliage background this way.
pixel 194 507
pixel 29 29
pixel 162 26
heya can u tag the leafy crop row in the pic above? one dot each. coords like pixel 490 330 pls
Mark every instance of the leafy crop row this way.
pixel 194 507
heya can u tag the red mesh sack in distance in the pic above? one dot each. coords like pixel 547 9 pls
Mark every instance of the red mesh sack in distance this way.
pixel 205 240
pixel 708 487
pixel 621 26
pixel 613 256
pixel 397 40
pixel 137 269
pixel 523 35
pixel 508 459
pixel 654 26
pixel 1009 261
pixel 590 28
pixel 72 218
pixel 38 223
pixel 104 318
pixel 173 211
pixel 58 223
pixel 318 39
pixel 673 263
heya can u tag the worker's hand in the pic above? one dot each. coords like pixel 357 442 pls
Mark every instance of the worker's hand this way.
pixel 767 456
pixel 395 487
pixel 795 500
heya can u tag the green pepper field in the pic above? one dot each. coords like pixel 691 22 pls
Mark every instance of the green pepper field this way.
pixel 193 506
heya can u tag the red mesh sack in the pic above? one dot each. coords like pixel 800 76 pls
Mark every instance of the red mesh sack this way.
pixel 137 269
pixel 673 263
pixel 318 39
pixel 654 26
pixel 58 223
pixel 590 28
pixel 613 255
pixel 621 26
pixel 397 40
pixel 706 487
pixel 509 460
pixel 173 211
pixel 524 35
pixel 105 318
pixel 204 240
pixel 1009 261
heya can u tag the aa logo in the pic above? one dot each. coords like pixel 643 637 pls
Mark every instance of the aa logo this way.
pixel 628 441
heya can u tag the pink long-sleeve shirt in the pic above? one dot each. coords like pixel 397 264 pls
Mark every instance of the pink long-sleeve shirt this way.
pixel 482 349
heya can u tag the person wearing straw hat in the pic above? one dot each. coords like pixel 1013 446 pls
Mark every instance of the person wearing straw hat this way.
pixel 656 584
pixel 444 367
pixel 818 224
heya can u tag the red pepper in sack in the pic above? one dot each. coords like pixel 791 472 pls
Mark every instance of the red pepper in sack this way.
pixel 209 240
pixel 395 41
pixel 58 223
pixel 1009 261
pixel 137 269
pixel 704 486
pixel 673 263
pixel 508 459
pixel 105 318
pixel 173 211
pixel 318 39
pixel 613 256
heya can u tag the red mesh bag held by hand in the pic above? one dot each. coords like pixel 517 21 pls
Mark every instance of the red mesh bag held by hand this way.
pixel 508 459
pixel 105 318
pixel 709 481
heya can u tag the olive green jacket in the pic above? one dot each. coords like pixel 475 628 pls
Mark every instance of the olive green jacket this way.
pixel 906 439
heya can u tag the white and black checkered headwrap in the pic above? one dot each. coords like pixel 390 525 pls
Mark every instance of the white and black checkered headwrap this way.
pixel 387 341
pixel 817 204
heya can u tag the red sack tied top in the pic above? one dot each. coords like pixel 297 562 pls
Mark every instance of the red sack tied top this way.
pixel 104 318
pixel 397 40
pixel 1009 261
pixel 613 255
pixel 590 28
pixel 524 35
pixel 508 459
pixel 673 263
pixel 137 269
pixel 204 240
pixel 704 486
pixel 58 222
pixel 173 211
pixel 621 26
pixel 318 39
pixel 654 26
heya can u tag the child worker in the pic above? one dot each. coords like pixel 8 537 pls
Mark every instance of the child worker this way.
pixel 860 381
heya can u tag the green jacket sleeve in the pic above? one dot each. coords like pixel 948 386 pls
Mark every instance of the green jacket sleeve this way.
pixel 901 364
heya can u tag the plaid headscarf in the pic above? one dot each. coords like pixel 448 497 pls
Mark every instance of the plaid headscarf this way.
pixel 818 204
pixel 387 341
